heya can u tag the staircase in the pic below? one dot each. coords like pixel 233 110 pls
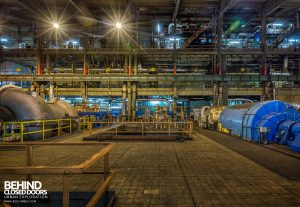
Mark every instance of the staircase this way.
pixel 283 35
pixel 194 36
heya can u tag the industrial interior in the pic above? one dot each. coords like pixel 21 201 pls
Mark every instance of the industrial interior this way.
pixel 150 103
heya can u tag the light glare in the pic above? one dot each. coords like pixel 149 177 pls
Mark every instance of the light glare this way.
pixel 55 25
pixel 118 25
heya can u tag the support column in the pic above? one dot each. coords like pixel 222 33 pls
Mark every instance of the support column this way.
pixel 39 70
pixel 175 105
pixel 85 64
pixel 42 91
pixel 268 90
pixel 48 70
pixel 298 72
pixel 84 92
pixel 134 92
pixel 19 35
pixel 174 49
pixel 51 93
pixel 135 69
pixel 221 94
pixel 130 64
pixel 297 21
pixel 124 101
pixel 286 64
pixel 221 61
pixel 263 42
pixel 220 88
pixel 215 20
pixel 129 103
pixel 126 64
pixel 85 68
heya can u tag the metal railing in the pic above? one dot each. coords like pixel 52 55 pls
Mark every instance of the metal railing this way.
pixel 158 127
pixel 82 168
pixel 36 127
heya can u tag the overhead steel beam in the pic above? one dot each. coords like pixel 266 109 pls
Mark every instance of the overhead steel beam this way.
pixel 177 2
pixel 188 51
pixel 271 5
pixel 182 91
pixel 169 78
pixel 226 5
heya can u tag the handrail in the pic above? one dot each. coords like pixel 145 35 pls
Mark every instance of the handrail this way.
pixel 81 168
pixel 155 127
pixel 38 123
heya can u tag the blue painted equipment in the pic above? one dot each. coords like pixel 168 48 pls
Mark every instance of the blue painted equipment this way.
pixel 284 132
pixel 294 144
pixel 264 122
pixel 232 117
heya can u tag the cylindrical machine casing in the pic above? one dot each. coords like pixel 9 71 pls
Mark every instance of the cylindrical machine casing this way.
pixel 23 106
pixel 232 117
pixel 251 120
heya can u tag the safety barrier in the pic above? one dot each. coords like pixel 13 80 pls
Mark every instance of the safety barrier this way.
pixel 42 126
pixel 159 127
pixel 82 168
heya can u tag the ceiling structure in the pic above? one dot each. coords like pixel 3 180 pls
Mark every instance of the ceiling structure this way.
pixel 194 37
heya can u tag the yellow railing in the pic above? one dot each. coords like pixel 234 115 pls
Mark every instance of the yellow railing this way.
pixel 168 127
pixel 42 126
pixel 83 122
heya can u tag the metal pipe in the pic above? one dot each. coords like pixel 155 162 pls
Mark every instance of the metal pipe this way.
pixel 130 64
pixel 133 101
pixel 155 99
pixel 175 106
pixel 135 65
pixel 123 101
pixel 129 104
pixel 51 93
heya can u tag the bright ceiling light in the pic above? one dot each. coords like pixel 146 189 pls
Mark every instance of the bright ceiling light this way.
pixel 118 25
pixel 55 25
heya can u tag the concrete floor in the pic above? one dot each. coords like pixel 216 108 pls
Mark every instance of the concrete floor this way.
pixel 192 173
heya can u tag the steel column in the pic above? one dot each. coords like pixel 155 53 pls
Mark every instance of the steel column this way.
pixel 85 67
pixel 129 103
pixel 135 72
pixel 38 51
pixel 126 64
pixel 263 41
pixel 48 71
pixel 175 106
pixel 124 101
pixel 220 63
pixel 51 93
pixel 134 90
pixel 130 64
